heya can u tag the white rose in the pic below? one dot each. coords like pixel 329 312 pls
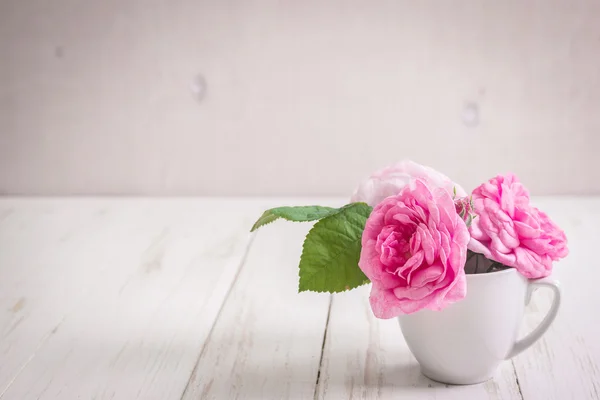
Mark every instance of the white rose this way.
pixel 390 180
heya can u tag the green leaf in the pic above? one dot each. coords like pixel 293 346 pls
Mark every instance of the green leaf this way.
pixel 329 261
pixel 296 214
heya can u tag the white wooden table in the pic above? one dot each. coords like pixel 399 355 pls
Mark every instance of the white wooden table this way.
pixel 174 299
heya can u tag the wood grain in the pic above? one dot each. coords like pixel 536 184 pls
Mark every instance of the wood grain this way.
pixel 152 299
pixel 45 266
pixel 268 339
pixel 134 318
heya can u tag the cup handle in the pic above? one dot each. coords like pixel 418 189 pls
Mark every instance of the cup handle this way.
pixel 537 333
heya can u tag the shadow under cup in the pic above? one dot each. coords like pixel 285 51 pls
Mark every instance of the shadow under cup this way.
pixel 465 342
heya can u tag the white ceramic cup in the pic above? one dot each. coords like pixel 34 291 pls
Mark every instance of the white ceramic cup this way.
pixel 466 342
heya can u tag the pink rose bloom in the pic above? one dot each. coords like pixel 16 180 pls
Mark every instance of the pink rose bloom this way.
pixel 509 230
pixel 414 249
pixel 391 180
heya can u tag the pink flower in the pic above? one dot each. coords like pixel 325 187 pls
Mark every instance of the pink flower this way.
pixel 509 230
pixel 414 248
pixel 391 180
pixel 464 208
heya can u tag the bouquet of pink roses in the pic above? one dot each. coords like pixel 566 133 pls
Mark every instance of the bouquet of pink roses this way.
pixel 415 234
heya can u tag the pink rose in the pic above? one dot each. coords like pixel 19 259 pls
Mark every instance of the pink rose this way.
pixel 414 248
pixel 509 230
pixel 391 180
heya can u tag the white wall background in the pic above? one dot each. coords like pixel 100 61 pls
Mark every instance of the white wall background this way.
pixel 303 97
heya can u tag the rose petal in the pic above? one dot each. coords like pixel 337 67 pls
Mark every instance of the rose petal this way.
pixel 499 246
pixel 423 276
pixel 539 246
pixel 371 266
pixel 412 293
pixel 477 232
pixel 444 244
pixel 415 242
pixel 453 289
pixel 427 243
pixel 383 302
pixel 446 207
pixel 420 193
pixel 413 262
pixel 507 200
pixel 434 214
pixel 477 247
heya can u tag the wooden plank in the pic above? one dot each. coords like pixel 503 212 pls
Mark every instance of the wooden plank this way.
pixel 153 277
pixel 367 358
pixel 45 266
pixel 268 339
pixel 109 299
pixel 565 363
